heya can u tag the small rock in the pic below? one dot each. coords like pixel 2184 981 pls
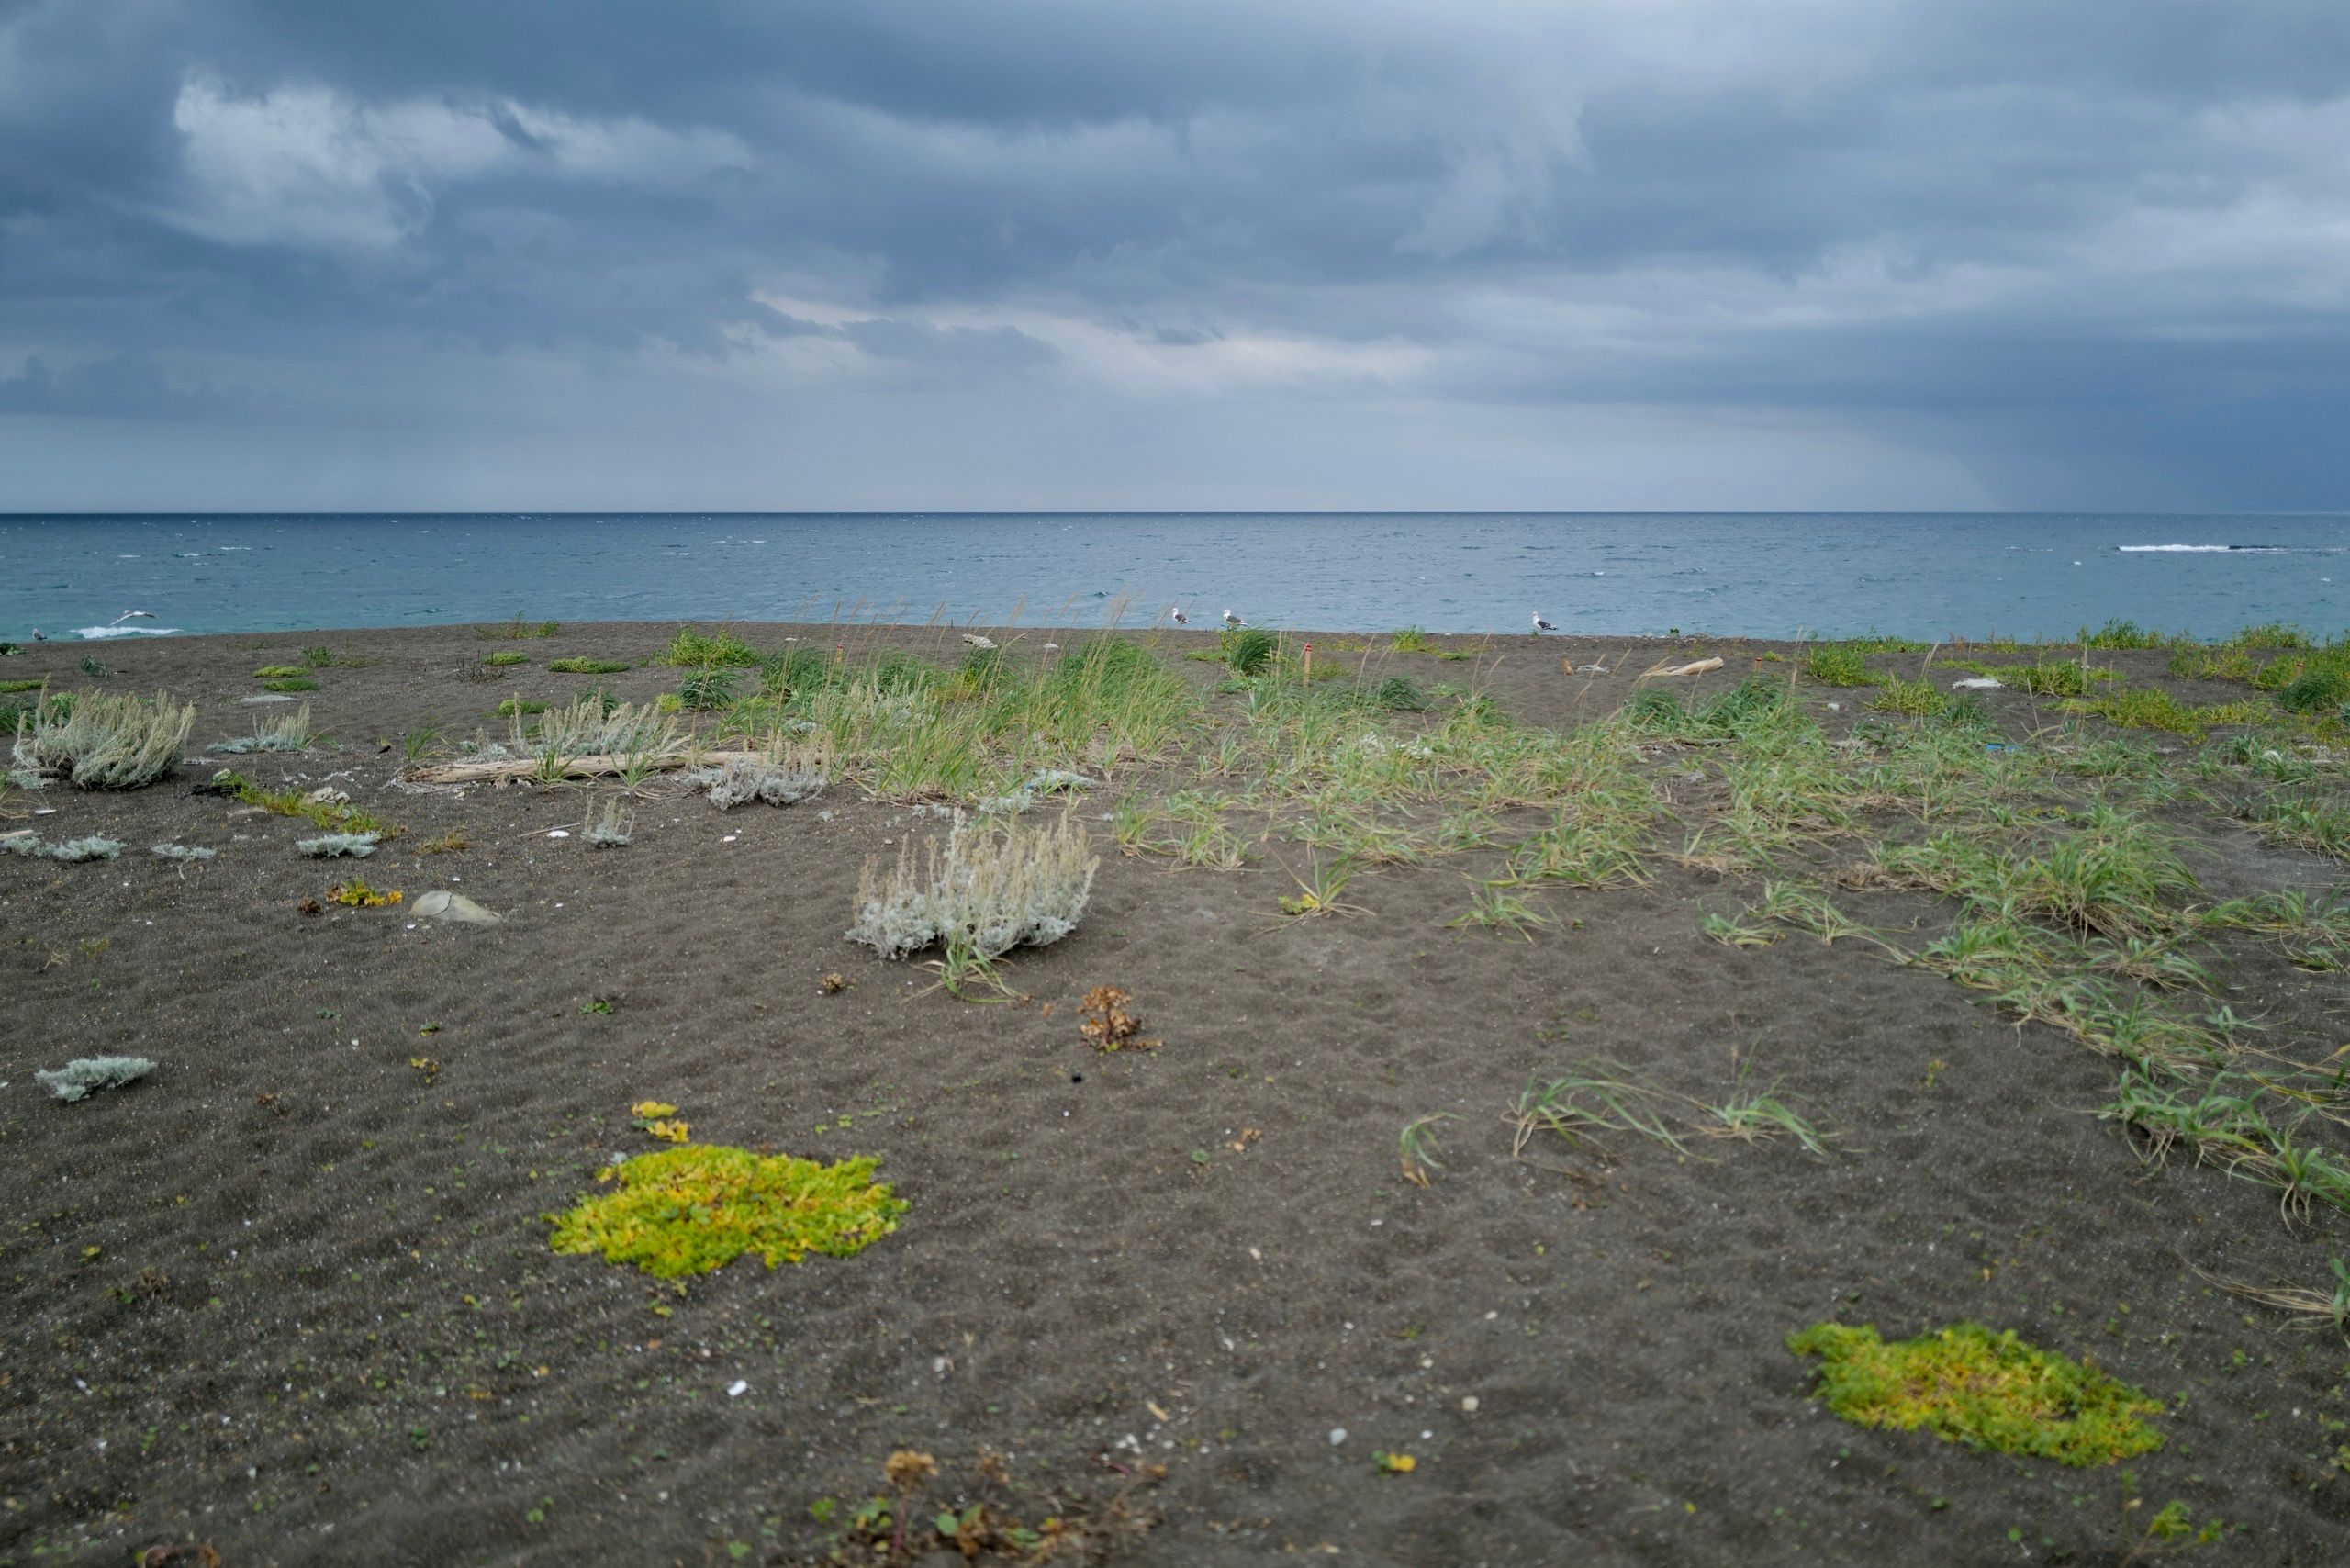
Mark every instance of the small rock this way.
pixel 441 904
pixel 1337 1436
pixel 1469 1405
pixel 736 1389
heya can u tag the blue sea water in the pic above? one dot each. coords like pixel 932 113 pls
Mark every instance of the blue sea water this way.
pixel 1778 575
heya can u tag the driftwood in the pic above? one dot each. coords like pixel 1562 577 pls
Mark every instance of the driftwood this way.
pixel 1700 667
pixel 509 770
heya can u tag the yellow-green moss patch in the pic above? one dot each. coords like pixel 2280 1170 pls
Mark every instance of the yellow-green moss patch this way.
pixel 690 1210
pixel 1968 1384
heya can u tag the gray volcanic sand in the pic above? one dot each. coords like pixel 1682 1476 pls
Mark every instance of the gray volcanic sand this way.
pixel 293 1296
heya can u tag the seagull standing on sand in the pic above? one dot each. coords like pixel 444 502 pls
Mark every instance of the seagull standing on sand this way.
pixel 1232 620
pixel 40 635
pixel 1541 625
pixel 1176 610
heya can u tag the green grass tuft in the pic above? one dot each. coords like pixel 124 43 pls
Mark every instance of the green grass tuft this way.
pixel 709 649
pixel 1839 665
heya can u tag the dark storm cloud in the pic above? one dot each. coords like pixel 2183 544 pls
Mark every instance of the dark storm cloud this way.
pixel 2004 254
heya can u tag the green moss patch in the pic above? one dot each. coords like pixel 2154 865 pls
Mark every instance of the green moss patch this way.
pixel 693 1209
pixel 587 667
pixel 1970 1386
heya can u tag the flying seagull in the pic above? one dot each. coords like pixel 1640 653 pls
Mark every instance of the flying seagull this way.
pixel 1177 612
pixel 1232 620
pixel 132 615
pixel 1541 625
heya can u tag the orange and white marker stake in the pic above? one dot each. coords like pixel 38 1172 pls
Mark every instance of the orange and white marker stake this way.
pixel 1309 664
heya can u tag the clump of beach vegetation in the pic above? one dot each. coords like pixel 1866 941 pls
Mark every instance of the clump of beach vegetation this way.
pixel 104 743
pixel 84 1076
pixel 1989 1390
pixel 983 892
pixel 782 772
pixel 291 733
pixel 72 851
pixel 691 1209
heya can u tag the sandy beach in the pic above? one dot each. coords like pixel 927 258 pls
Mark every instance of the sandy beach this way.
pixel 292 1294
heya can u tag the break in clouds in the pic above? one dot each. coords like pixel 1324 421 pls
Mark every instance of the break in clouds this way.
pixel 1639 254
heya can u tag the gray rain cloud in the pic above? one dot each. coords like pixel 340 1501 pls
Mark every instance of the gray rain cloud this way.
pixel 1634 253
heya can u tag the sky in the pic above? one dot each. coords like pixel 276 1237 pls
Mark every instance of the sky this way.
pixel 1214 254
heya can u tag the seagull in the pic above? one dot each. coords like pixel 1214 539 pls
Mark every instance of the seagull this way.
pixel 1177 612
pixel 132 615
pixel 1541 625
pixel 1232 620
pixel 40 635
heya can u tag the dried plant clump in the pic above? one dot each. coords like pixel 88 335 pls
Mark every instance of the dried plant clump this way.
pixel 986 892
pixel 781 773
pixel 104 743
pixel 84 1076
pixel 1110 1022
pixel 184 852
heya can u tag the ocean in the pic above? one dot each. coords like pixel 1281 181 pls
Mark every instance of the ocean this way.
pixel 1775 575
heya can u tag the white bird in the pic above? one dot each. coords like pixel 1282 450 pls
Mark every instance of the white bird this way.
pixel 132 615
pixel 979 642
pixel 1177 612
pixel 40 635
pixel 1541 625
pixel 1232 620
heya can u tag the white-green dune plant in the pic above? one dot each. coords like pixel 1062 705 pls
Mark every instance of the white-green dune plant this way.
pixel 611 827
pixel 781 772
pixel 103 742
pixel 78 1078
pixel 620 736
pixel 985 891
pixel 291 733
pixel 71 850
pixel 330 846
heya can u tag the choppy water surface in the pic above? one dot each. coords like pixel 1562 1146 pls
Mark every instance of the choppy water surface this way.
pixel 1752 573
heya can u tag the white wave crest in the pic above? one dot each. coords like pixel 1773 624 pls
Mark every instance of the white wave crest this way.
pixel 99 633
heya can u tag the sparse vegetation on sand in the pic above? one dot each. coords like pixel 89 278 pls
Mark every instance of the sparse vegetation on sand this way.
pixel 320 811
pixel 1505 1016
pixel 518 629
pixel 581 666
